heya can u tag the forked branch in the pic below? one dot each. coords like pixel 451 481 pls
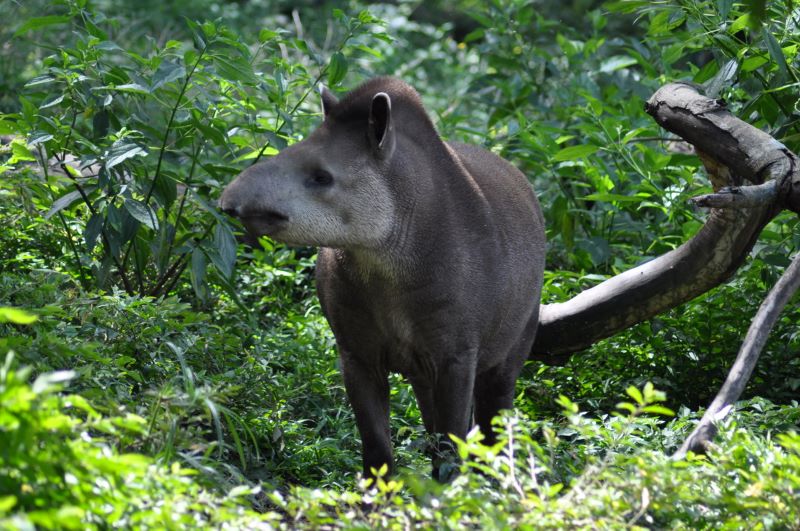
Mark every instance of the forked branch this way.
pixel 736 155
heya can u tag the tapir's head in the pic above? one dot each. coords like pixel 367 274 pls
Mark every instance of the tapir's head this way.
pixel 331 189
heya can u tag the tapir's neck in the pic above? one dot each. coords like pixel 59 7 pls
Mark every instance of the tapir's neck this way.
pixel 435 206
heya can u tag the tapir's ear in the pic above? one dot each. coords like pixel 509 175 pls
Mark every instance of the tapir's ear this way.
pixel 328 100
pixel 381 132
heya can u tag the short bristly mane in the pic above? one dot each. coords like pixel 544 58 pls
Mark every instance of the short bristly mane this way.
pixel 407 106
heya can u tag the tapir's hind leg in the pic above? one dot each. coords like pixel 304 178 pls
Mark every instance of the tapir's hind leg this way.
pixel 494 390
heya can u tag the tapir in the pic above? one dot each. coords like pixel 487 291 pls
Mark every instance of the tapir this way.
pixel 430 262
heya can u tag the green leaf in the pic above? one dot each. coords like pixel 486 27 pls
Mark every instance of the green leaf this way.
pixel 724 8
pixel 235 68
pixel 16 316
pixel 79 402
pixel 166 189
pixel 7 503
pixel 630 408
pixel 7 127
pixel 267 35
pixel 739 24
pixel 198 271
pixel 20 152
pixel 38 138
pixel 776 53
pixel 707 72
pixel 634 393
pixel 142 213
pixel 63 202
pixel 617 62
pixel 371 51
pixel 46 382
pixel 40 80
pixel 337 68
pixel 167 72
pixel 93 228
pixel 575 152
pixel 213 210
pixel 637 198
pixel 213 134
pixel 41 22
pixel 659 410
pixel 475 35
pixel 225 243
pixel 626 6
pixel 122 151
pixel 136 88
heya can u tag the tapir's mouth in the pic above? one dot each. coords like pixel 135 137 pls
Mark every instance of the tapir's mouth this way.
pixel 270 217
pixel 263 222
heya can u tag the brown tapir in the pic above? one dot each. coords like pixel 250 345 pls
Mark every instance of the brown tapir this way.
pixel 430 261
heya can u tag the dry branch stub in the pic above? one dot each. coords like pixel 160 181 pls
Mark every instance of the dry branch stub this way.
pixel 766 317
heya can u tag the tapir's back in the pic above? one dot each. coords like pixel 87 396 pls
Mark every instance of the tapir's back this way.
pixel 511 198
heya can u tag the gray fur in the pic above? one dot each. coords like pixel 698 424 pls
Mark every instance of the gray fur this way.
pixel 430 262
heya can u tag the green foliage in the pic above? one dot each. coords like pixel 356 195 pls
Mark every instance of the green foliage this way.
pixel 152 384
pixel 61 466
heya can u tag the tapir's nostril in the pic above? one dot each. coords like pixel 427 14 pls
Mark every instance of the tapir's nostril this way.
pixel 231 211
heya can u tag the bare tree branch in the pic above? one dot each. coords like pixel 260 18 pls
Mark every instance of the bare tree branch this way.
pixel 700 438
pixel 734 154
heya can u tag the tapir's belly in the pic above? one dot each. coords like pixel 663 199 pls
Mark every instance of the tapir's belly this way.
pixel 418 340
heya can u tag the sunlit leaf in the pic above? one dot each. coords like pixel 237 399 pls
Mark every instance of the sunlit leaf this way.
pixel 16 316
pixel 63 202
pixel 575 152
pixel 41 22
pixel 337 68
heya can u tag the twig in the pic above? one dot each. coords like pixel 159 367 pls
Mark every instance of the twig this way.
pixel 739 196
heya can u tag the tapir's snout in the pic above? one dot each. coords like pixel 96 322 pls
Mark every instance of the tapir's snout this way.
pixel 241 201
pixel 227 204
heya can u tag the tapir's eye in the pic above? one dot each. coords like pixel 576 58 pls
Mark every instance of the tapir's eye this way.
pixel 321 177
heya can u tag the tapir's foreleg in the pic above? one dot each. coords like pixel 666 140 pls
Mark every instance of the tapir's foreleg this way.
pixel 424 393
pixel 368 390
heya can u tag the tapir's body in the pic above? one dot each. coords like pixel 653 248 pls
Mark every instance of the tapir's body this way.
pixel 431 257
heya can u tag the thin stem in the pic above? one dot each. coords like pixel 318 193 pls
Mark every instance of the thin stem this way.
pixel 163 150
pixel 70 237
pixel 136 269
pixel 188 183
pixel 296 106
pixel 178 267
pixel 169 125
pixel 106 243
